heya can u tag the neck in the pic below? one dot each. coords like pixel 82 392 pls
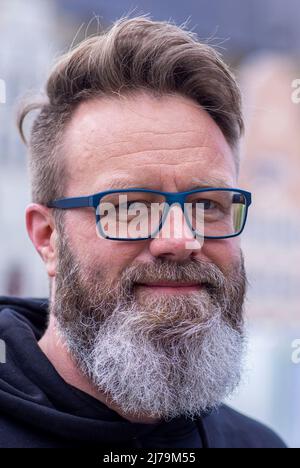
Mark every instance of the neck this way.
pixel 57 353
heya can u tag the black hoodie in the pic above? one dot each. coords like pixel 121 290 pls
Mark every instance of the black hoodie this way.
pixel 39 409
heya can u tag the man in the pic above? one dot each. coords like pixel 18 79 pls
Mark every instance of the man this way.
pixel 136 214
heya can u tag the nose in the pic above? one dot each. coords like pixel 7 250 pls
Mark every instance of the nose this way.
pixel 175 241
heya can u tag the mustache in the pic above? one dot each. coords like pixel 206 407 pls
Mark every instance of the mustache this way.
pixel 196 271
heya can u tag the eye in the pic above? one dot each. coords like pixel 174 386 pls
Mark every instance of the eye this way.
pixel 208 204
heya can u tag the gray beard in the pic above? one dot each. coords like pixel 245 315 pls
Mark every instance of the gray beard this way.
pixel 160 356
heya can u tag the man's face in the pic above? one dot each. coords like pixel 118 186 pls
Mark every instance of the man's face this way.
pixel 177 346
pixel 167 144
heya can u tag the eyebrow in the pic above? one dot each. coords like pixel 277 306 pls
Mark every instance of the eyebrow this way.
pixel 196 183
pixel 120 183
pixel 209 182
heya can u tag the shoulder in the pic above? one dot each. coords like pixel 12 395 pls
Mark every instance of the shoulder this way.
pixel 23 303
pixel 23 312
pixel 226 427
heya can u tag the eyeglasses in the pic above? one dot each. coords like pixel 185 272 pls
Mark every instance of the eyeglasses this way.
pixel 140 214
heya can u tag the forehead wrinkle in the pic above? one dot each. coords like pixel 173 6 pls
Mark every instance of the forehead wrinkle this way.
pixel 154 150
pixel 161 163
pixel 161 150
pixel 130 140
pixel 146 132
pixel 159 132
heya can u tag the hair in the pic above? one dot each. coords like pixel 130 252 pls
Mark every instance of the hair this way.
pixel 133 55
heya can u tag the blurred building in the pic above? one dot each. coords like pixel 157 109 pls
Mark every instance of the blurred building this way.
pixel 271 169
pixel 28 44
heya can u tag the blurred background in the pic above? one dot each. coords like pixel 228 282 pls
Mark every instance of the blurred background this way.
pixel 261 41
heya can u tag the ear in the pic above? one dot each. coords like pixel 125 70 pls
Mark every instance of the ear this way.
pixel 41 230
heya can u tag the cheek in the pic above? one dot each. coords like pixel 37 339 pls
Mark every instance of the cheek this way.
pixel 223 253
pixel 115 255
pixel 91 249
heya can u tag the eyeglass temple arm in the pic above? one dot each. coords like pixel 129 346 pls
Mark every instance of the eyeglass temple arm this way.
pixel 74 202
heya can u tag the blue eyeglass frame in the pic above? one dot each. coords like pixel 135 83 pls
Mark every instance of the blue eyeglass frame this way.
pixel 171 198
